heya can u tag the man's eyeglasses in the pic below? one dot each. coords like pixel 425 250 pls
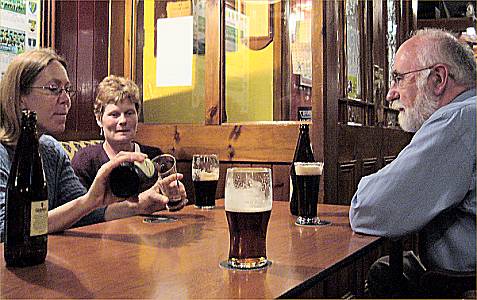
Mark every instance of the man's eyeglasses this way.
pixel 398 78
pixel 56 90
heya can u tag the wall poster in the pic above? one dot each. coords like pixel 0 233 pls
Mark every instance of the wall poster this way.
pixel 19 29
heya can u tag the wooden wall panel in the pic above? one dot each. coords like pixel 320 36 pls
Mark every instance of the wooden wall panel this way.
pixel 81 36
pixel 184 167
pixel 369 166
pixel 346 181
pixel 85 65
pixel 117 38
pixel 280 176
pixel 389 159
pixel 265 143
pixel 281 182
pixel 66 44
pixel 100 45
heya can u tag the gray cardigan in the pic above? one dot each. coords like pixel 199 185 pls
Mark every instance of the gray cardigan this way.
pixel 63 184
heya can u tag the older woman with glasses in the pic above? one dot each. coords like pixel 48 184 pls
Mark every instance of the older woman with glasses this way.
pixel 37 80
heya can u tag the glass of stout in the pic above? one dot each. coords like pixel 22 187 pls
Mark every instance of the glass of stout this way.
pixel 308 187
pixel 248 205
pixel 205 175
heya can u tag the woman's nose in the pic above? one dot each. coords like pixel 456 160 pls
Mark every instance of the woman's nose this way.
pixel 122 118
pixel 64 98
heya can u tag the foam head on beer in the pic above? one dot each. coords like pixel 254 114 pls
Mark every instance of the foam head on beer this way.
pixel 308 168
pixel 201 175
pixel 248 190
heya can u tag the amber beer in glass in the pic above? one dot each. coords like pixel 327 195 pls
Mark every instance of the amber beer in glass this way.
pixel 248 204
pixel 308 186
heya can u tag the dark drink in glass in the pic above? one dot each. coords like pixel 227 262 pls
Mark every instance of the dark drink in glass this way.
pixel 205 175
pixel 248 237
pixel 204 191
pixel 308 186
pixel 248 205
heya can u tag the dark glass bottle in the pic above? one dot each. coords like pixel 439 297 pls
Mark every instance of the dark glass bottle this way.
pixel 26 218
pixel 131 178
pixel 303 153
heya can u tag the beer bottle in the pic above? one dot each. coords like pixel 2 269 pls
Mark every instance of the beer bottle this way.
pixel 303 153
pixel 26 218
pixel 131 178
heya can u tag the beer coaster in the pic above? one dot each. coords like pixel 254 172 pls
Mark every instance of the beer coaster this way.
pixel 225 265
pixel 205 207
pixel 320 223
pixel 159 219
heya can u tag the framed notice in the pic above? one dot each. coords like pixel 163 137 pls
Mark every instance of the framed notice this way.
pixel 19 29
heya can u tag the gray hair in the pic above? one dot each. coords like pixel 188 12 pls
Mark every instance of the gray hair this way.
pixel 441 46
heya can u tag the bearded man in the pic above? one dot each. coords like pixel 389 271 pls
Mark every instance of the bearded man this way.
pixel 430 187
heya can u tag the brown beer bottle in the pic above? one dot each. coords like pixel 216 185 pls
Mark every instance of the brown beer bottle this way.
pixel 131 178
pixel 26 218
pixel 303 153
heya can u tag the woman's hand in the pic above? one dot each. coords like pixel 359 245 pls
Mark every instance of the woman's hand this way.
pixel 99 193
pixel 171 185
pixel 149 201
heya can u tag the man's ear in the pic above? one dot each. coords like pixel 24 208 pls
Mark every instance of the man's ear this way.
pixel 439 78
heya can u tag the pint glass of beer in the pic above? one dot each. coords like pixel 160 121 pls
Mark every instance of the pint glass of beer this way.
pixel 248 204
pixel 205 174
pixel 308 186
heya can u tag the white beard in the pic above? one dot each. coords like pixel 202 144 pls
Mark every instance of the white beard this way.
pixel 412 118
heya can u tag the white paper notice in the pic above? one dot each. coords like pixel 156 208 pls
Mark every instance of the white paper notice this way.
pixel 174 51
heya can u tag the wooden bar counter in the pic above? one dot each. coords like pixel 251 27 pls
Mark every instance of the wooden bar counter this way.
pixel 131 259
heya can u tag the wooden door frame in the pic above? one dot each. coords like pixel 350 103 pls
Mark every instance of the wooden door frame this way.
pixel 280 150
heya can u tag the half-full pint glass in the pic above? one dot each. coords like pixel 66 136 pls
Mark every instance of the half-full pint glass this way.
pixel 248 204
pixel 308 184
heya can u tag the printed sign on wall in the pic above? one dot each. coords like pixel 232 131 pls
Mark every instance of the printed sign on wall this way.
pixel 19 29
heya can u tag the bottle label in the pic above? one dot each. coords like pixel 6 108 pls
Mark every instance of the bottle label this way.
pixel 147 167
pixel 39 218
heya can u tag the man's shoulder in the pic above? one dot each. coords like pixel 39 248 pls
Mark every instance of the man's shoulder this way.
pixel 463 110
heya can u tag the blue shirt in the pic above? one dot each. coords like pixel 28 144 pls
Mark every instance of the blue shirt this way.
pixel 63 185
pixel 430 188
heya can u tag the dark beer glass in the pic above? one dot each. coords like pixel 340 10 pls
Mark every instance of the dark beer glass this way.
pixel 308 186
pixel 205 175
pixel 248 205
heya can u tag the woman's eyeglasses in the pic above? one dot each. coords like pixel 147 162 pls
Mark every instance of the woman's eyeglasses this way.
pixel 56 90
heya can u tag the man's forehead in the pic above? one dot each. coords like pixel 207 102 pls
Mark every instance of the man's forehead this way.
pixel 405 58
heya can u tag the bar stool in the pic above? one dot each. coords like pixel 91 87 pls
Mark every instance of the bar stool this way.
pixel 435 283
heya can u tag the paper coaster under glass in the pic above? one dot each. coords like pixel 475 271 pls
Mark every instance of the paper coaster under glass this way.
pixel 309 222
pixel 227 265
pixel 159 219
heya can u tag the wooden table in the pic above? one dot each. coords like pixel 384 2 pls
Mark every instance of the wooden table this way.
pixel 131 259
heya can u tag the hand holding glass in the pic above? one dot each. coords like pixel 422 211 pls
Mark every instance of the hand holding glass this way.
pixel 205 175
pixel 248 205
pixel 166 166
